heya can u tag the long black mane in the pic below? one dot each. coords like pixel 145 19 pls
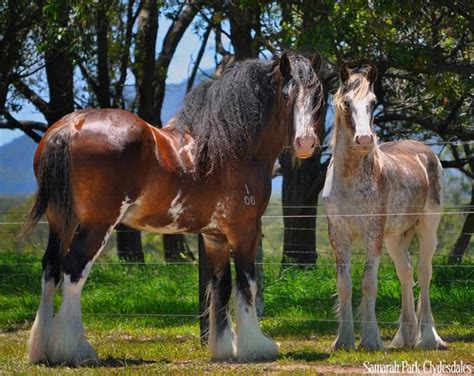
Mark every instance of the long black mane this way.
pixel 226 116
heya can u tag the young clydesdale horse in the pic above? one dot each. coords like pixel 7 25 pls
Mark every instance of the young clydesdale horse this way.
pixel 380 193
pixel 209 171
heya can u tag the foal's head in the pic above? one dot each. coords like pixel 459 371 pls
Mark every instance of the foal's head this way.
pixel 300 96
pixel 355 102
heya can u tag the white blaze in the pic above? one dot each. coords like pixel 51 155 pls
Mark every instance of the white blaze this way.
pixel 303 114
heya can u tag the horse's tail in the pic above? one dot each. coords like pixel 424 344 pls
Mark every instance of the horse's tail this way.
pixel 54 188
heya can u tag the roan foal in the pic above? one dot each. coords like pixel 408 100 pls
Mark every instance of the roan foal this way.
pixel 379 193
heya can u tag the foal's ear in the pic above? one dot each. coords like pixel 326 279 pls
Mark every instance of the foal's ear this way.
pixel 285 67
pixel 344 73
pixel 316 62
pixel 372 74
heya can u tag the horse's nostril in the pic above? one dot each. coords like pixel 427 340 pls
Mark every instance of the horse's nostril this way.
pixel 313 145
pixel 364 140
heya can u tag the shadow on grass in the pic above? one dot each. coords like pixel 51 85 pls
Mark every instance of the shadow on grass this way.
pixel 112 362
pixel 307 356
pixel 469 337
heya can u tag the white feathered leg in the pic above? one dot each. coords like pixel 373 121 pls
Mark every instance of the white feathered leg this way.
pixel 39 335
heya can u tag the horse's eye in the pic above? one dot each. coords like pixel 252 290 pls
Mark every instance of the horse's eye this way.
pixel 347 104
pixel 286 92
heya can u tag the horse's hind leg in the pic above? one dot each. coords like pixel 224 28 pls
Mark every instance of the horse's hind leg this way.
pixel 252 344
pixel 397 247
pixel 40 330
pixel 427 338
pixel 221 336
pixel 67 343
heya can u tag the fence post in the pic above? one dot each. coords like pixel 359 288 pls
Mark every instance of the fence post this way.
pixel 259 303
pixel 204 278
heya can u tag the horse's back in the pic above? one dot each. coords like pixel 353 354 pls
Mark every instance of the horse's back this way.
pixel 415 159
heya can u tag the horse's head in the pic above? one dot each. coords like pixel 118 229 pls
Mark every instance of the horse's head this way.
pixel 300 97
pixel 355 100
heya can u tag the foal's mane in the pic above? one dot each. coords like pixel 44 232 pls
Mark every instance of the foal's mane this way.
pixel 226 116
pixel 357 83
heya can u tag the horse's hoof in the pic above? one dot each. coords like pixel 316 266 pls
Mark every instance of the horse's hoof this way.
pixel 372 344
pixel 72 352
pixel 339 344
pixel 399 342
pixel 437 344
pixel 263 349
pixel 222 347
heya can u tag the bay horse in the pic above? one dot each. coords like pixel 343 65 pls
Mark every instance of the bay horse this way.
pixel 209 171
pixel 380 193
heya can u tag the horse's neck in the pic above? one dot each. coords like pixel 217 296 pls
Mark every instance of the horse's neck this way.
pixel 347 159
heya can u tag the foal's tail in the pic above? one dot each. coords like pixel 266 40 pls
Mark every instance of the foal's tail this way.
pixel 54 189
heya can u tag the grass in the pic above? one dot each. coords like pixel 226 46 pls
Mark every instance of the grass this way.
pixel 143 319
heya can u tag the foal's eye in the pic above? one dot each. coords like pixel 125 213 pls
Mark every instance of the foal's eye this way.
pixel 347 104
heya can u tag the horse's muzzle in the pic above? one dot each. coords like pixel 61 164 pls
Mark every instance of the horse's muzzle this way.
pixel 305 145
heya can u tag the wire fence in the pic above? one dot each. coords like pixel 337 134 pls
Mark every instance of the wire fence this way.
pixel 11 278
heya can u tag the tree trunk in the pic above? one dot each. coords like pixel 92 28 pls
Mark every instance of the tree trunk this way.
pixel 462 243
pixel 170 43
pixel 176 248
pixel 144 66
pixel 242 21
pixel 103 78
pixel 129 245
pixel 59 73
pixel 300 191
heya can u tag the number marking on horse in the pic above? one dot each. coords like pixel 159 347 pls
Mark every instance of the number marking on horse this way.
pixel 249 200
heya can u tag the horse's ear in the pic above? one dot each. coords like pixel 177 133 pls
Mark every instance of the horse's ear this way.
pixel 344 73
pixel 316 62
pixel 372 74
pixel 285 67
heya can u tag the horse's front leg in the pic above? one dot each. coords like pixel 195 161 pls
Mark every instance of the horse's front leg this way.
pixel 252 344
pixel 341 243
pixel 221 336
pixel 373 239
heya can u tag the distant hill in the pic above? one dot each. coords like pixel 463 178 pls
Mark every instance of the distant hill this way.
pixel 16 167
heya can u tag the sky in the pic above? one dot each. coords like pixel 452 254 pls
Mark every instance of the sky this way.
pixel 179 70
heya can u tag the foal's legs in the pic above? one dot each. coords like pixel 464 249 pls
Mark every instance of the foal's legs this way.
pixel 370 331
pixel 221 336
pixel 252 344
pixel 341 244
pixel 427 338
pixel 39 334
pixel 397 247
